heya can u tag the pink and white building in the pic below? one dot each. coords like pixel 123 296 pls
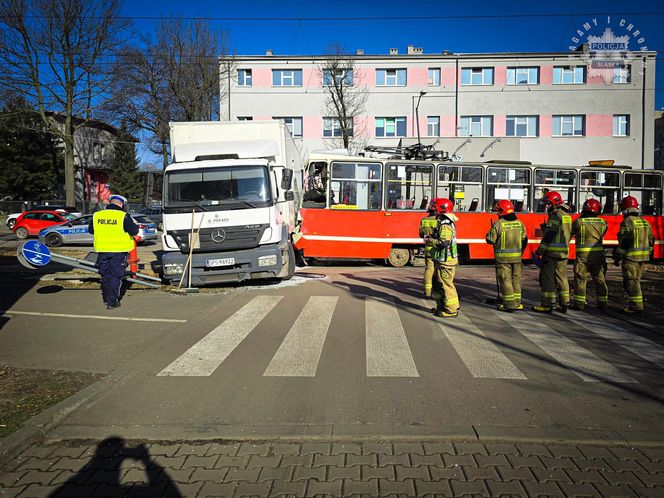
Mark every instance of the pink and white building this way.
pixel 551 108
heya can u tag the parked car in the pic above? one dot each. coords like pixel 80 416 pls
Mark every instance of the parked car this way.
pixel 11 218
pixel 154 213
pixel 76 231
pixel 32 222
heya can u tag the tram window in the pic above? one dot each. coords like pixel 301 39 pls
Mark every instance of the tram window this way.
pixel 408 186
pixel 356 186
pixel 604 186
pixel 647 189
pixel 562 181
pixel 315 185
pixel 461 184
pixel 508 183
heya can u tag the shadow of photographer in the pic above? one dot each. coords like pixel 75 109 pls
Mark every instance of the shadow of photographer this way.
pixel 103 474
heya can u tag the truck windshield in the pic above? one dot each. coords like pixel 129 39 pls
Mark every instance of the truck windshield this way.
pixel 228 187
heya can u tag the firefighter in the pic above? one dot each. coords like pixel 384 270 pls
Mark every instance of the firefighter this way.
pixel 445 259
pixel 508 238
pixel 589 230
pixel 113 230
pixel 552 254
pixel 427 227
pixel 636 243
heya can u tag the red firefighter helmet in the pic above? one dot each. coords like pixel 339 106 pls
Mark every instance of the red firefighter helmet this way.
pixel 629 202
pixel 443 205
pixel 503 207
pixel 553 198
pixel 592 206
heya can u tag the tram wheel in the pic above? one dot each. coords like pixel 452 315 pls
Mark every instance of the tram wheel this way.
pixel 399 257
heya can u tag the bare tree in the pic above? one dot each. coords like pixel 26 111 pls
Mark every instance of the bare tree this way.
pixel 58 53
pixel 344 96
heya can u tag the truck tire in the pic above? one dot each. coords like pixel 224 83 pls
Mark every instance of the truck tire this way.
pixel 290 263
pixel 399 256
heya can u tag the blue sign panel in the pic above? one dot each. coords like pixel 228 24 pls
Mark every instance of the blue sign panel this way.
pixel 35 253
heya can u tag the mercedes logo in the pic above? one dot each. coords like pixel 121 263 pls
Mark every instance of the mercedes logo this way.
pixel 218 235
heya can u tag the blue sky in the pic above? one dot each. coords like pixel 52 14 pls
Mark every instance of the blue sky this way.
pixel 440 25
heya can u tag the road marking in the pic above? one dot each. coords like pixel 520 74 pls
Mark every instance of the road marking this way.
pixel 388 352
pixel 300 351
pixel 640 346
pixel 565 351
pixel 95 317
pixel 480 355
pixel 206 355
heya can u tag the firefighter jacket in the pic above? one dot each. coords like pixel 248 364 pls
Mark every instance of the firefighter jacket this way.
pixel 636 241
pixel 444 236
pixel 508 238
pixel 113 230
pixel 556 235
pixel 589 232
pixel 427 228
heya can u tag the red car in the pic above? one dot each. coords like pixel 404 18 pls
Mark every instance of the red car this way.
pixel 32 222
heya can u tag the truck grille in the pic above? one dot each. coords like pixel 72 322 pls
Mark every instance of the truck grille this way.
pixel 221 238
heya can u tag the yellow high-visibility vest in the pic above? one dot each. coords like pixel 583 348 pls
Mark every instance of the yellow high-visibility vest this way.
pixel 109 234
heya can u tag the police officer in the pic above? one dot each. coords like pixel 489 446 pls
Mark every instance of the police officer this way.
pixel 589 230
pixel 636 243
pixel 427 226
pixel 445 259
pixel 113 231
pixel 552 253
pixel 508 238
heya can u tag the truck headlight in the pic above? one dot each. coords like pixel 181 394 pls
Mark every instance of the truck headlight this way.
pixel 267 260
pixel 173 268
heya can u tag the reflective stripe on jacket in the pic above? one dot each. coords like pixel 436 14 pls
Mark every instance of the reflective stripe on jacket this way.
pixel 507 238
pixel 557 232
pixel 636 241
pixel 109 234
pixel 427 228
pixel 589 233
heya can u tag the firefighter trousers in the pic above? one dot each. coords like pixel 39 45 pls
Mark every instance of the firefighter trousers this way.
pixel 632 272
pixel 509 283
pixel 429 270
pixel 553 281
pixel 448 301
pixel 595 269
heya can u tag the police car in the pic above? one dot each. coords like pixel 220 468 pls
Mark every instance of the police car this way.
pixel 76 231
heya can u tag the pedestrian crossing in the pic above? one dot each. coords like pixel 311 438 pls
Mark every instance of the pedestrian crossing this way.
pixel 388 344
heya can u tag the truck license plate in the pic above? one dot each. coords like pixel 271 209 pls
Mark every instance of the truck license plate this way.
pixel 220 262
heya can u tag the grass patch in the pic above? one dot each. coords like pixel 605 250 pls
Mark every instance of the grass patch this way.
pixel 26 392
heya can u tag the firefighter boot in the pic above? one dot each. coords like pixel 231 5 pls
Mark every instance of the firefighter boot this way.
pixel 446 314
pixel 541 309
pixel 501 307
pixel 561 308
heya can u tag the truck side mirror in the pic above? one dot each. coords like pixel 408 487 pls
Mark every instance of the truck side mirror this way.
pixel 287 179
pixel 289 195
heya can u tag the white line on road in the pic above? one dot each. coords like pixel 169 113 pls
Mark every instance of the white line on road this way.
pixel 565 351
pixel 388 352
pixel 300 351
pixel 95 317
pixel 206 355
pixel 481 356
pixel 640 346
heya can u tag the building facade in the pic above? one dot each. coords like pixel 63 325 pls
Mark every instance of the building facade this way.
pixel 551 108
pixel 659 139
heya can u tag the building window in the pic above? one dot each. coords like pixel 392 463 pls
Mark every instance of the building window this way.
pixel 287 77
pixel 476 126
pixel 621 74
pixel 332 128
pixel 621 125
pixel 569 126
pixel 391 127
pixel 434 76
pixel 244 77
pixel 433 126
pixel 342 77
pixel 522 126
pixel 390 77
pixel 294 125
pixel 569 75
pixel 523 75
pixel 245 118
pixel 477 76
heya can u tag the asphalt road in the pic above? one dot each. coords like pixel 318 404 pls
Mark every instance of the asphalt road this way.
pixel 339 350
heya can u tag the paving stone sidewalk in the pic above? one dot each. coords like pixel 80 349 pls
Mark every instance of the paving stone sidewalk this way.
pixel 119 468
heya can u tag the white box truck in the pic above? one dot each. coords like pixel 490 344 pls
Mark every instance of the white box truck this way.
pixel 240 182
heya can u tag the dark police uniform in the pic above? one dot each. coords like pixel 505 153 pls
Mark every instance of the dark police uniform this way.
pixel 113 231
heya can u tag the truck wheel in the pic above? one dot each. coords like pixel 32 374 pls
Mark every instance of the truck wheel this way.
pixel 53 240
pixel 290 264
pixel 399 257
pixel 21 233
